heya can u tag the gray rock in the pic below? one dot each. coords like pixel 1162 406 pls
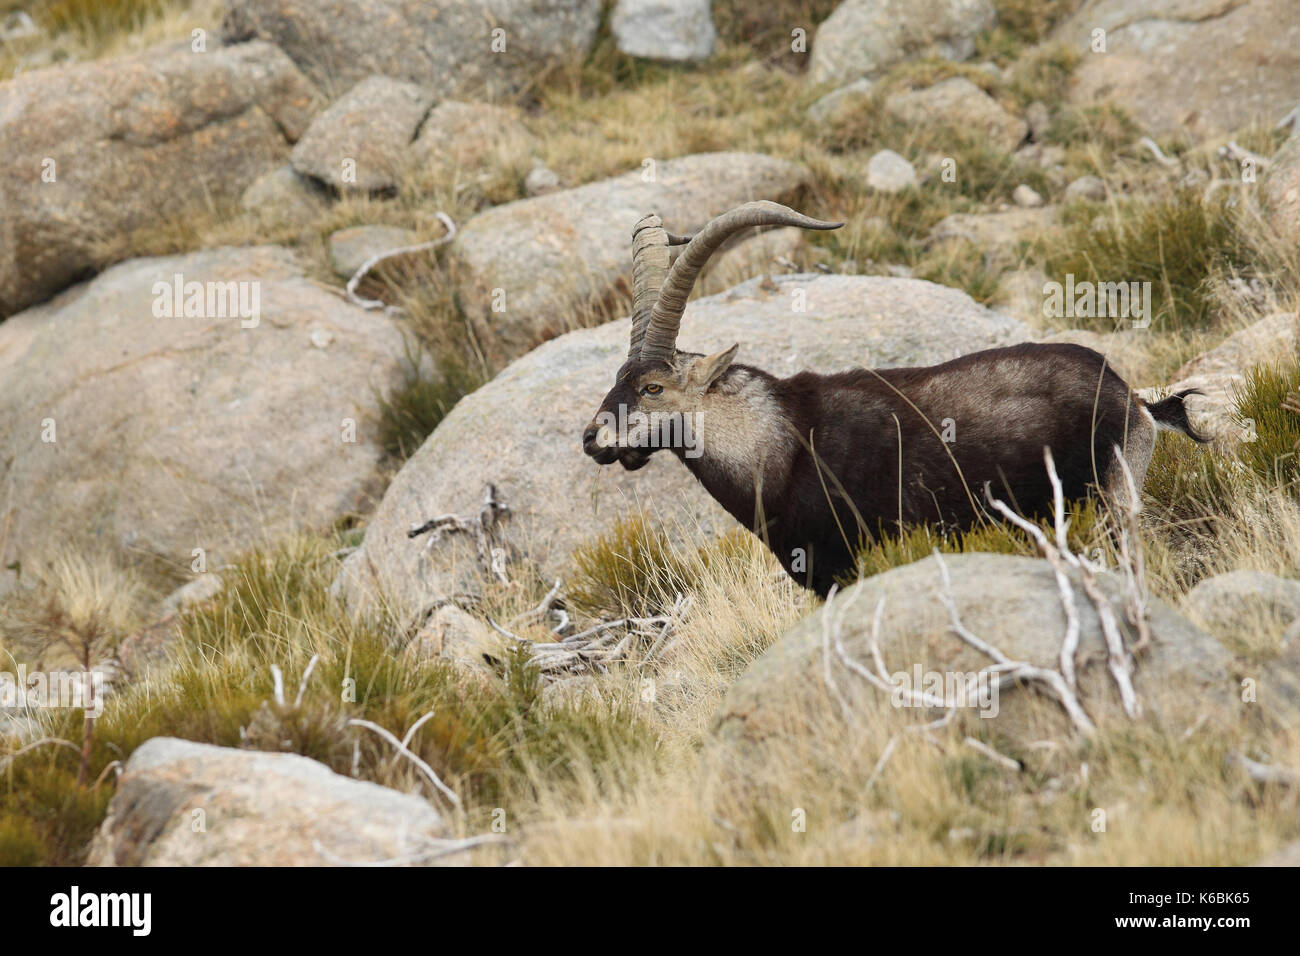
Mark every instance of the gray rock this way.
pixel 129 143
pixel 1044 155
pixel 996 232
pixel 173 432
pixel 448 46
pixel 1280 189
pixel 1039 119
pixel 838 105
pixel 960 104
pixel 865 37
pixel 362 142
pixel 256 809
pixel 1239 601
pixel 543 261
pixel 1009 601
pixel 1086 187
pixel 284 196
pixel 888 172
pixel 468 134
pixel 203 588
pixel 1278 690
pixel 456 635
pixel 541 180
pixel 1188 67
pixel 1026 197
pixel 558 497
pixel 350 248
pixel 664 29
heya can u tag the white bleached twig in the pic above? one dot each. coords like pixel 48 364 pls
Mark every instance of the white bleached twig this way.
pixel 998 758
pixel 374 260
pixel 1161 158
pixel 1011 671
pixel 1262 772
pixel 402 749
pixel 1118 659
pixel 306 676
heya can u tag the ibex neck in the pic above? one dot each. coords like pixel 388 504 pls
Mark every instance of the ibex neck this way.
pixel 745 443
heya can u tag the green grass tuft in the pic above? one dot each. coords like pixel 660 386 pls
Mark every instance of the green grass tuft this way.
pixel 1268 410
pixel 1176 241
pixel 97 19
pixel 487 740
pixel 887 550
pixel 410 413
pixel 637 569
pixel 1193 489
pixel 1106 127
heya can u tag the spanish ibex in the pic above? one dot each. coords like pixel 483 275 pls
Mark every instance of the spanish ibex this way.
pixel 813 462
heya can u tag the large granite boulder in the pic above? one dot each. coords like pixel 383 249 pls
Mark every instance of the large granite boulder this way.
pixel 125 419
pixel 522 431
pixel 528 270
pixel 94 152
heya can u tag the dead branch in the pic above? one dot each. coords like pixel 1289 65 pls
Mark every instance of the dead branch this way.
pixel 403 750
pixel 1263 773
pixel 998 758
pixel 1241 155
pixel 552 599
pixel 1011 671
pixel 1118 658
pixel 392 253
pixel 1161 158
pixel 482 527
pixel 607 643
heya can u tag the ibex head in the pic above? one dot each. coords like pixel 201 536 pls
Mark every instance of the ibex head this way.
pixel 659 390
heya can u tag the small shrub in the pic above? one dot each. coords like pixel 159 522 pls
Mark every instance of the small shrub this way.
pixel 1176 242
pixel 98 19
pixel 765 28
pixel 963 266
pixel 1029 21
pixel 1189 487
pixel 1192 488
pixel 410 413
pixel 1268 409
pixel 1106 127
pixel 1042 76
pixel 636 568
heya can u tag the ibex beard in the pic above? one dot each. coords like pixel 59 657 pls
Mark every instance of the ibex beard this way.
pixel 813 463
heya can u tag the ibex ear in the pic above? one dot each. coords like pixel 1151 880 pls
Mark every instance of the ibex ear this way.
pixel 709 368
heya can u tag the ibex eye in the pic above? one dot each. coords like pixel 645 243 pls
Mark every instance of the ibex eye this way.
pixel 651 389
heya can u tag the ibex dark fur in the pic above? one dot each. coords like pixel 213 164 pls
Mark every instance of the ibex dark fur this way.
pixel 813 462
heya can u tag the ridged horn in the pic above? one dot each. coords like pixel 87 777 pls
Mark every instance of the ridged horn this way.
pixel 660 334
pixel 649 269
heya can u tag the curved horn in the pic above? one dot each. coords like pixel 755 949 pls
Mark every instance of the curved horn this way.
pixel 649 268
pixel 660 336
